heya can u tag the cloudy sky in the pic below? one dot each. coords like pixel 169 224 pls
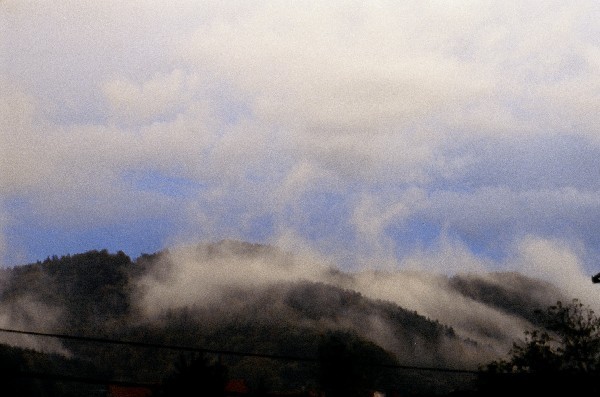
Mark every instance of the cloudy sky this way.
pixel 459 135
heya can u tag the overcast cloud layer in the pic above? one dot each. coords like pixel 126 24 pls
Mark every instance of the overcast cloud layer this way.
pixel 370 133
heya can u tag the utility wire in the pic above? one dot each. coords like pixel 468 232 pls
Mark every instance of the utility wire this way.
pixel 157 345
pixel 221 352
pixel 83 379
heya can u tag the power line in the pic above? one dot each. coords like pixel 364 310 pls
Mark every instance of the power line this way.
pixel 83 379
pixel 157 345
pixel 221 352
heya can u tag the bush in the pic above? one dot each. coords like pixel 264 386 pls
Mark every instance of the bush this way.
pixel 564 355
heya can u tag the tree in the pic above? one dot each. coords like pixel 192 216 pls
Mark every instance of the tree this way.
pixel 564 354
pixel 198 377
pixel 569 341
pixel 350 366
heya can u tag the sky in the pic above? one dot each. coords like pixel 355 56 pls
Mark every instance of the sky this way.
pixel 451 135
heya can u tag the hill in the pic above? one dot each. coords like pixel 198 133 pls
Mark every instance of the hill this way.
pixel 240 297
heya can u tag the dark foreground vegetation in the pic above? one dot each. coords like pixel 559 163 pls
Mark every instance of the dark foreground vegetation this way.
pixel 199 351
pixel 560 358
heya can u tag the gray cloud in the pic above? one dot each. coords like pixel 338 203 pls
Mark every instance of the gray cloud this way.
pixel 478 121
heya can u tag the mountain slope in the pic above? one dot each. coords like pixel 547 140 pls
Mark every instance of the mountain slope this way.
pixel 243 297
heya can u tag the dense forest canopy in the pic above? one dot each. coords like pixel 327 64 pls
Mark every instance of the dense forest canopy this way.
pixel 105 295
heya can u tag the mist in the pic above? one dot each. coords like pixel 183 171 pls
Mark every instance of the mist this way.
pixel 25 312
pixel 487 311
pixel 424 310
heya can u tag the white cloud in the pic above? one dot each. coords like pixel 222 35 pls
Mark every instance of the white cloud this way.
pixel 299 72
pixel 429 294
pixel 3 225
pixel 371 217
pixel 134 104
pixel 18 142
pixel 447 255
pixel 264 104
pixel 558 262
pixel 200 276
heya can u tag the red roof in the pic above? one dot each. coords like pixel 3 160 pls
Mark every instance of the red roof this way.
pixel 236 386
pixel 127 391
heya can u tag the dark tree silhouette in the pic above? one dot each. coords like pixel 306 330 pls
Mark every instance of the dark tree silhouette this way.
pixel 196 377
pixel 350 366
pixel 563 355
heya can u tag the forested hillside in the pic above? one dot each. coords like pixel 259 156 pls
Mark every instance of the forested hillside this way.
pixel 301 318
